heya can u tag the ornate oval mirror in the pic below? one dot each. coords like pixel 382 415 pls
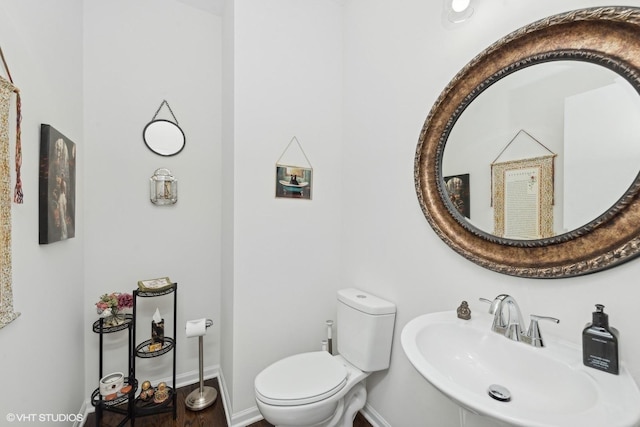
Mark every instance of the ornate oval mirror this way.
pixel 163 137
pixel 528 161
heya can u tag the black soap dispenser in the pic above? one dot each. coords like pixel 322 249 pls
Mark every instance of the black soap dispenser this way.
pixel 600 343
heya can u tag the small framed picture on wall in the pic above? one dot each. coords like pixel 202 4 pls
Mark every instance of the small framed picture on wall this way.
pixel 457 187
pixel 293 182
pixel 57 186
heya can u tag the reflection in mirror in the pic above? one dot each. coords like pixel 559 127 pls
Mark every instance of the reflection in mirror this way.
pixel 163 137
pixel 585 138
pixel 584 113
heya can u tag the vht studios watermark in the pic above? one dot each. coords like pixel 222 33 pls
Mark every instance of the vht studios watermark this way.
pixel 44 418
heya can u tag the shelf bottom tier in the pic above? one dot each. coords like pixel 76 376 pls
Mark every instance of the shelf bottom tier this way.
pixel 156 403
pixel 118 399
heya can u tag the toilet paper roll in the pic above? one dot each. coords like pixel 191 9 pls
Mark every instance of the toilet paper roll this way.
pixel 196 328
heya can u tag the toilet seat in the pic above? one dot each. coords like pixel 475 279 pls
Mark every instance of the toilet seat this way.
pixel 301 379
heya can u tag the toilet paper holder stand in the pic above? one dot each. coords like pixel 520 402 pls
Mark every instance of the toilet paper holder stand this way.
pixel 203 396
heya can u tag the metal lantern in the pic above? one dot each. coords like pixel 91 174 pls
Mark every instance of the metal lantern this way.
pixel 163 188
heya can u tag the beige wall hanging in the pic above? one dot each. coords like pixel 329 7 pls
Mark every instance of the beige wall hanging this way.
pixel 523 198
pixel 7 89
pixel 522 192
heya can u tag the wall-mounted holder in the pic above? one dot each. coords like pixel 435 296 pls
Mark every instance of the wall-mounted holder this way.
pixel 163 188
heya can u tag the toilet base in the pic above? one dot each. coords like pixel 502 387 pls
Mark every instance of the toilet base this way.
pixel 348 407
pixel 345 412
pixel 338 410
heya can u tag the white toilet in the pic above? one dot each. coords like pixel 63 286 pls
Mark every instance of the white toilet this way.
pixel 318 389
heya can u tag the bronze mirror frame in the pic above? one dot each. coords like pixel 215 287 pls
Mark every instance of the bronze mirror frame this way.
pixel 609 36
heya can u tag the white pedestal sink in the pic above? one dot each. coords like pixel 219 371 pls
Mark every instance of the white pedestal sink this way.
pixel 548 386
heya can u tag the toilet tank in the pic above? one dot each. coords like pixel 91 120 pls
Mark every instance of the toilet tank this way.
pixel 365 329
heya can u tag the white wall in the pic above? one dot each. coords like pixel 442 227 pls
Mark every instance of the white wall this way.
pixel 227 267
pixel 354 82
pixel 45 344
pixel 607 169
pixel 137 54
pixel 286 253
pixel 398 58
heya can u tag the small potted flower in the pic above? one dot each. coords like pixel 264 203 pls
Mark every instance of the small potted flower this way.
pixel 111 306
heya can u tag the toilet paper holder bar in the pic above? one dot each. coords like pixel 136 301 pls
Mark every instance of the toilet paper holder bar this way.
pixel 203 396
pixel 198 327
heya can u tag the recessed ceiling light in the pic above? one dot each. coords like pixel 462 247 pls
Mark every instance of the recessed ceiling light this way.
pixel 459 6
pixel 458 10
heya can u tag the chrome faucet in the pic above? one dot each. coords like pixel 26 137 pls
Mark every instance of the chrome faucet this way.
pixel 507 321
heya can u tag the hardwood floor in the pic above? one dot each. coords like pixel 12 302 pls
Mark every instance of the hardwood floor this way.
pixel 213 416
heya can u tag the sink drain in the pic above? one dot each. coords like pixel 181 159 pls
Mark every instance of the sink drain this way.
pixel 499 392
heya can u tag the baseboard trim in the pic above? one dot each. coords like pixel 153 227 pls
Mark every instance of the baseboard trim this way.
pixel 246 417
pixel 239 419
pixel 374 418
pixel 226 401
pixel 84 411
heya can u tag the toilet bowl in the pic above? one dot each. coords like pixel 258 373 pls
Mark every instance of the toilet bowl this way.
pixel 311 389
pixel 322 390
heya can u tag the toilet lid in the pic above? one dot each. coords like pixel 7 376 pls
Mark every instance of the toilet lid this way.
pixel 301 379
